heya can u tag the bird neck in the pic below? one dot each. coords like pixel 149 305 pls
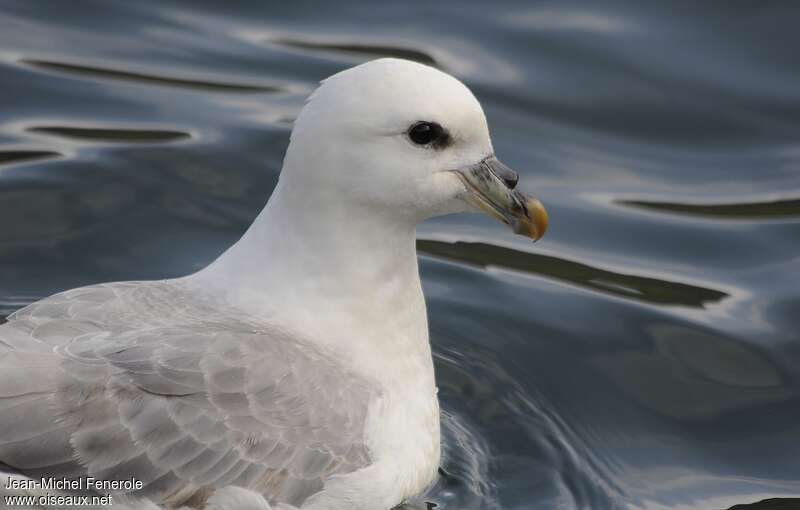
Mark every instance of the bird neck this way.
pixel 345 277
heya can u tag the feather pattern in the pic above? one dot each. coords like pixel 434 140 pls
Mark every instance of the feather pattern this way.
pixel 198 399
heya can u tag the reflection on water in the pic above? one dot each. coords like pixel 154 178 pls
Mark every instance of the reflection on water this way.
pixel 651 290
pixel 645 361
pixel 128 76
pixel 363 51
pixel 742 211
pixel 110 134
pixel 8 157
pixel 771 504
pixel 691 375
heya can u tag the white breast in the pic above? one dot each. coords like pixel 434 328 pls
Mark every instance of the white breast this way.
pixel 403 432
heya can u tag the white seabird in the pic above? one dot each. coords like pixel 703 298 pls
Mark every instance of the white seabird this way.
pixel 295 371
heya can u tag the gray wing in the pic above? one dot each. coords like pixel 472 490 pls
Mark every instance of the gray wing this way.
pixel 184 405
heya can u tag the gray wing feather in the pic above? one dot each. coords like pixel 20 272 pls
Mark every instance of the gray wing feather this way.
pixel 128 380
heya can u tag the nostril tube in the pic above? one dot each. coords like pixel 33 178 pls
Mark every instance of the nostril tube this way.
pixel 511 181
pixel 502 172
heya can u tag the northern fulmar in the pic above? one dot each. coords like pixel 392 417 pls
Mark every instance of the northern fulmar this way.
pixel 294 371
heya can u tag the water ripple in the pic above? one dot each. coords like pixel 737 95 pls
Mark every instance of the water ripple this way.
pixel 771 504
pixel 111 134
pixel 171 81
pixel 734 211
pixel 360 49
pixel 9 157
pixel 639 288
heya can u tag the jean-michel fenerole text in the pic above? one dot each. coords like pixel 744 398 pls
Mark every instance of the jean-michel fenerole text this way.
pixel 73 484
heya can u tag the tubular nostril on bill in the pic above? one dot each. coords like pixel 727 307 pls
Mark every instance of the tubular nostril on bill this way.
pixel 512 180
pixel 505 174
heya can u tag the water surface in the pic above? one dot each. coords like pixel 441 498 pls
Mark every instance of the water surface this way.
pixel 644 355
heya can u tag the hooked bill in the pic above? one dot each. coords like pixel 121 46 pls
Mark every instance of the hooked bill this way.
pixel 523 213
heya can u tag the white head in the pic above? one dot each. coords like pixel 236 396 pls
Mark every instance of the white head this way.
pixel 405 140
pixel 376 149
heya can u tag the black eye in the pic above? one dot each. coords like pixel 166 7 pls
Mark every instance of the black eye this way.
pixel 428 133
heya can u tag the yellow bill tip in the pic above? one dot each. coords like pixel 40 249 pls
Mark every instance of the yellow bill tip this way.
pixel 537 219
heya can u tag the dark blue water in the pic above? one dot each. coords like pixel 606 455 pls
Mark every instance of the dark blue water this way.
pixel 644 355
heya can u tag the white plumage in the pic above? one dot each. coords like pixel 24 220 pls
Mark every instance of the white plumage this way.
pixel 294 370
